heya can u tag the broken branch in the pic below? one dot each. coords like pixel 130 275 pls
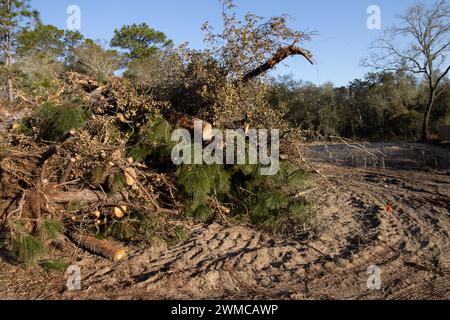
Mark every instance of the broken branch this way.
pixel 279 56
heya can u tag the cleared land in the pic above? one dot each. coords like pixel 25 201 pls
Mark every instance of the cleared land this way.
pixel 395 216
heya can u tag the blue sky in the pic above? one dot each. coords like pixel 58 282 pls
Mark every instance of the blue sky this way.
pixel 343 38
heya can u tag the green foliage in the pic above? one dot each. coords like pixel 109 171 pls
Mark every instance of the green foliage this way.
pixel 301 212
pixel 199 182
pixel 159 132
pixel 139 153
pixel 142 226
pixel 159 71
pixel 205 84
pixel 154 140
pixel 52 230
pixel 42 53
pixel 116 182
pixel 291 176
pixel 382 106
pixel 46 40
pixel 55 265
pixel 276 211
pixel 246 169
pixel 15 16
pixel 25 128
pixel 220 177
pixel 276 201
pixel 18 15
pixel 28 249
pixel 267 201
pixel 139 40
pixel 121 230
pixel 54 121
pixel 195 180
pixel 199 211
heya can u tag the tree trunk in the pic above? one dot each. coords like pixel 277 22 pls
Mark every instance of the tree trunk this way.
pixel 4 49
pixel 10 90
pixel 426 118
pixel 9 54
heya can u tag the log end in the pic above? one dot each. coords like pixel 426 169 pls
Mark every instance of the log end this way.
pixel 119 255
pixel 207 132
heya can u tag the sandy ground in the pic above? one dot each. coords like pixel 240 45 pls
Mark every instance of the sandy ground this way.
pixel 409 244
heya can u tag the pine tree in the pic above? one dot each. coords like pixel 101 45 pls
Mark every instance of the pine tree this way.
pixel 140 41
pixel 14 16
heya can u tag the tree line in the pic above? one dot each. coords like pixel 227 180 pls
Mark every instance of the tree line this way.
pixel 381 106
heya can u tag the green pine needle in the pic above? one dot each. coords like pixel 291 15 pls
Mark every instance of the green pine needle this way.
pixel 55 265
pixel 195 180
pixel 276 201
pixel 202 213
pixel 116 182
pixel 139 153
pixel 98 175
pixel 300 211
pixel 57 120
pixel 121 230
pixel 28 249
pixel 298 178
pixel 159 132
pixel 51 230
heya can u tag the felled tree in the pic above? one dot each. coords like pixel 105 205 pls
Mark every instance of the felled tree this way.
pixel 224 82
pixel 268 202
pixel 246 49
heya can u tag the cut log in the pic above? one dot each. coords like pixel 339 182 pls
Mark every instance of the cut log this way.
pixel 83 80
pixel 101 247
pixel 83 196
pixel 279 56
pixel 119 212
pixel 188 122
pixel 130 176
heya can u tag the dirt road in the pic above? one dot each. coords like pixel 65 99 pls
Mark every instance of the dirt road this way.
pixel 395 219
